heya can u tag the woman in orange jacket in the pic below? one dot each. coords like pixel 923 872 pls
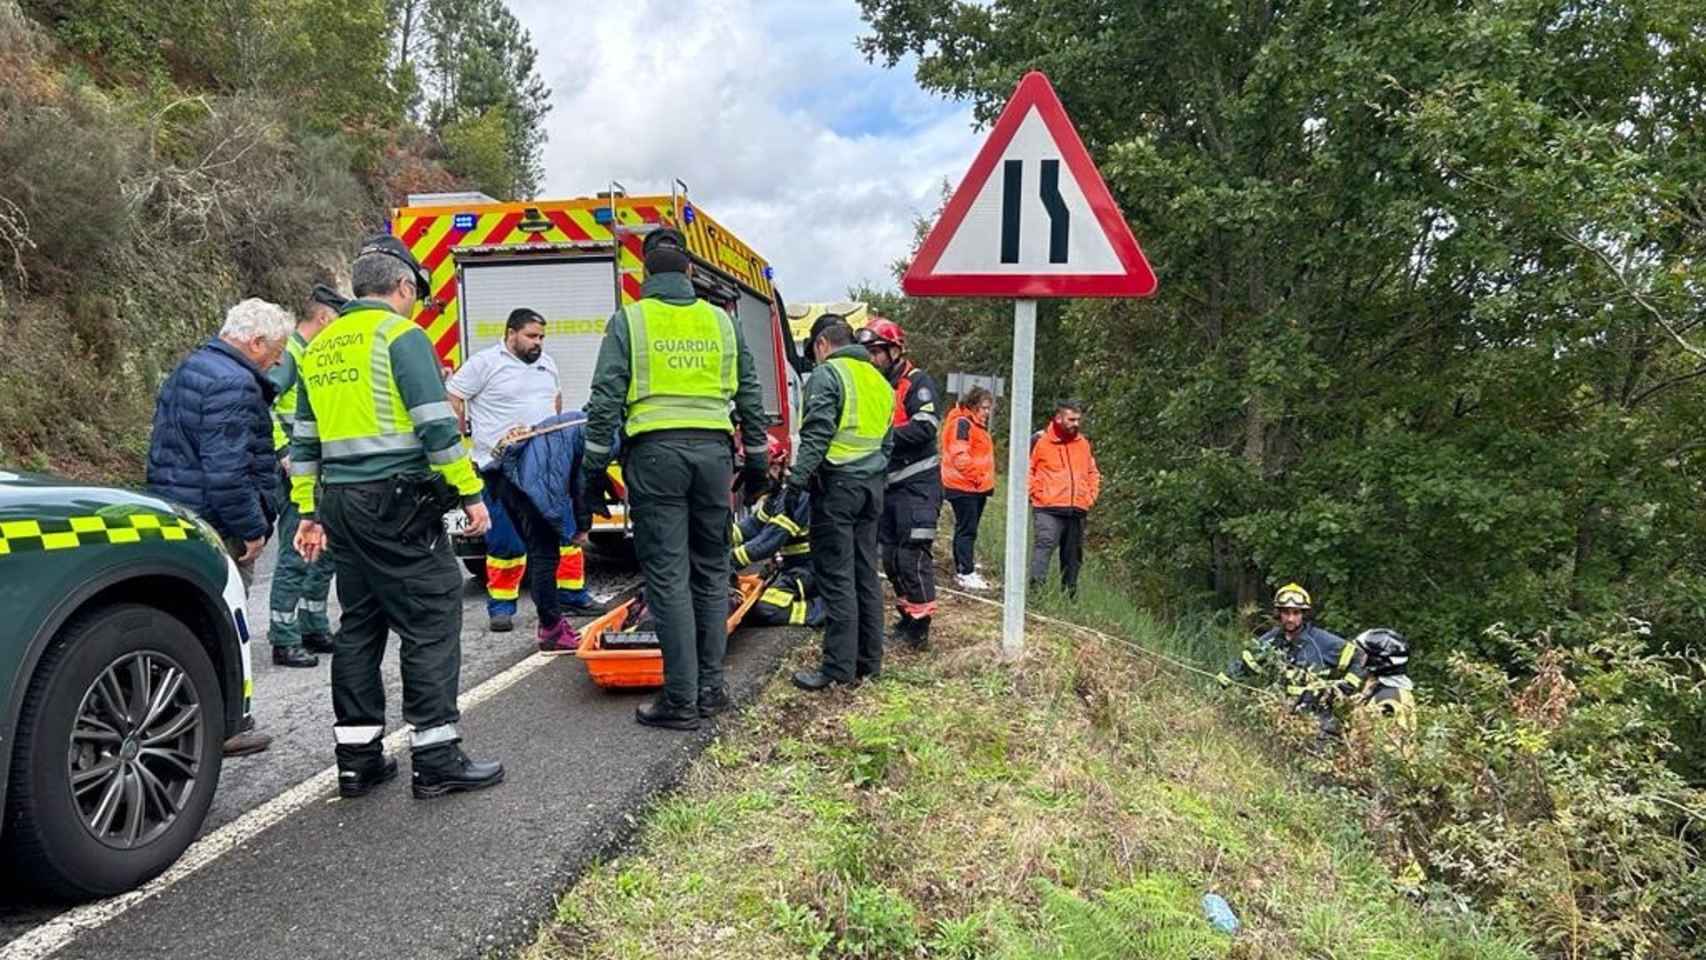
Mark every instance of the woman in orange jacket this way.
pixel 968 477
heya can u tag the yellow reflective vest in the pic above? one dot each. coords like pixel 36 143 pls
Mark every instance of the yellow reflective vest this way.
pixel 684 367
pixel 867 406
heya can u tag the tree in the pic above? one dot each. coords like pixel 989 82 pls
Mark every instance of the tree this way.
pixel 1430 275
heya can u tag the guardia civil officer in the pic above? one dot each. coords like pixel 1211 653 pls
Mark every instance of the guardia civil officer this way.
pixel 376 460
pixel 667 371
pixel 845 442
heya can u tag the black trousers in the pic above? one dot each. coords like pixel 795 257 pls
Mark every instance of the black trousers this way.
pixel 845 514
pixel 968 513
pixel 907 534
pixel 679 490
pixel 396 574
pixel 542 540
pixel 1064 529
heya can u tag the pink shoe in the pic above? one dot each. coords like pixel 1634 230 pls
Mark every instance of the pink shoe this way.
pixel 561 638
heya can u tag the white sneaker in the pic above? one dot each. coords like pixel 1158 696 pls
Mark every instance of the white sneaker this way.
pixel 971 581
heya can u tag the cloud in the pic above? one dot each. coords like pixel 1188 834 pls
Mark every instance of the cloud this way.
pixel 766 110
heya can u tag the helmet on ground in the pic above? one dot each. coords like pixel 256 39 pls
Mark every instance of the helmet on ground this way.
pixel 1388 652
pixel 883 333
pixel 1292 596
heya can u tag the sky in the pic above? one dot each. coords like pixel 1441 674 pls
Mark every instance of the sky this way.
pixel 765 108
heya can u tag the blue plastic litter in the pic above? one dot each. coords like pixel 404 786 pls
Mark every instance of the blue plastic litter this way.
pixel 1219 913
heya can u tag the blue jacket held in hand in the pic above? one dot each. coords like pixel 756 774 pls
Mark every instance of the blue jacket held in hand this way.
pixel 547 468
pixel 211 449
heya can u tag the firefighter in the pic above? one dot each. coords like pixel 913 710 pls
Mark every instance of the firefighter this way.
pixel 779 527
pixel 667 371
pixel 298 628
pixel 845 442
pixel 912 499
pixel 377 459
pixel 1315 665
pixel 1390 691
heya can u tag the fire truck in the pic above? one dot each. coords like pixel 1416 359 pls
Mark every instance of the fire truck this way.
pixel 575 261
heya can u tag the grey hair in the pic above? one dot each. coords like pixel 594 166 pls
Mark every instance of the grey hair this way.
pixel 257 319
pixel 377 274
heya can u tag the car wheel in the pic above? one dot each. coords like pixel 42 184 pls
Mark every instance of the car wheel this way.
pixel 117 753
pixel 476 567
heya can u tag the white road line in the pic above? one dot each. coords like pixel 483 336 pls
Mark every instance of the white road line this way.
pixel 54 935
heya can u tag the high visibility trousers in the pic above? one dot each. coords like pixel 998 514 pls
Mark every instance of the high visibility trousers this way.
pixel 297 603
pixel 506 558
pixel 907 534
pixel 393 580
pixel 844 565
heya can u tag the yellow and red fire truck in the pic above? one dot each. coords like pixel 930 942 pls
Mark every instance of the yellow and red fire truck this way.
pixel 575 261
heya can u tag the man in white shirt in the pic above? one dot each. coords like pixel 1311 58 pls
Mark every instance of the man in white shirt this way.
pixel 505 386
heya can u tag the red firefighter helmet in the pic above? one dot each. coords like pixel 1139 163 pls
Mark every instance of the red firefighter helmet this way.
pixel 881 332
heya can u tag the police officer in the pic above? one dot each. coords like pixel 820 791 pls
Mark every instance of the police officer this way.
pixel 845 443
pixel 377 459
pixel 667 371
pixel 297 627
pixel 913 498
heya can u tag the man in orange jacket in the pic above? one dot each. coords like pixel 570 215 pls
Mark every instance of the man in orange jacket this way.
pixel 1064 486
pixel 968 477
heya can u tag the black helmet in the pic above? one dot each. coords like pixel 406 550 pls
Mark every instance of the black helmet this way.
pixel 1387 651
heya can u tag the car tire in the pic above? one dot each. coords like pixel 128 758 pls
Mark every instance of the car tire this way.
pixel 476 567
pixel 55 836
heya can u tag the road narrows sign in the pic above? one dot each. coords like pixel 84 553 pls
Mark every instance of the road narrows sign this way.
pixel 1032 218
pixel 1045 227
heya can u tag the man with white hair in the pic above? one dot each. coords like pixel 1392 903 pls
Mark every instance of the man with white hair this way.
pixel 211 448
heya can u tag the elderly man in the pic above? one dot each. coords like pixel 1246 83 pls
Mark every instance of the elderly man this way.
pixel 211 448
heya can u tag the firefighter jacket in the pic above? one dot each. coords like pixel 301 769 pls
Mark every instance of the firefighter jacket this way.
pixel 1064 477
pixel 779 524
pixel 373 407
pixel 968 454
pixel 1315 656
pixel 621 401
pixel 847 402
pixel 916 459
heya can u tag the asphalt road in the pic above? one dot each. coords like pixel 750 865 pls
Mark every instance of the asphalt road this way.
pixel 389 876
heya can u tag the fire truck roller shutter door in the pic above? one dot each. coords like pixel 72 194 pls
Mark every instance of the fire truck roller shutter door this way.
pixel 576 297
pixel 760 336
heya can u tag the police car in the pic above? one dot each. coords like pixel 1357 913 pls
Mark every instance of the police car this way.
pixel 124 664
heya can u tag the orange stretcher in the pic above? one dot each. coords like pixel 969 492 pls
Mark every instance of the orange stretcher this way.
pixel 641 668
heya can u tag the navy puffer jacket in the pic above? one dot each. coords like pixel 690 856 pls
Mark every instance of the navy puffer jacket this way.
pixel 211 449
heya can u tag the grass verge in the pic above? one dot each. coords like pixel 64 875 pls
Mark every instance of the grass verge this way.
pixel 1077 803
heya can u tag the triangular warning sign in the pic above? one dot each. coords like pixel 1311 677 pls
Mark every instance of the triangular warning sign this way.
pixel 1032 218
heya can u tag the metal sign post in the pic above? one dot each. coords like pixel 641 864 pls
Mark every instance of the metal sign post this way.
pixel 1045 227
pixel 1016 566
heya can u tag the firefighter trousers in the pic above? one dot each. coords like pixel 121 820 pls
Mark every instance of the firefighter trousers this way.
pixel 845 517
pixel 541 540
pixel 678 489
pixel 907 534
pixel 297 604
pixel 396 574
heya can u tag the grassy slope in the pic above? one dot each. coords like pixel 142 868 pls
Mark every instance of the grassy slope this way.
pixel 1076 804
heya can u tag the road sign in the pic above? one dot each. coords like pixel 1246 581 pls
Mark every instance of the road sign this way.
pixel 1032 218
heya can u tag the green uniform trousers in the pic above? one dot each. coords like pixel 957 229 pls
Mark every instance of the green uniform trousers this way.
pixel 299 588
pixel 678 489
pixel 845 516
pixel 395 574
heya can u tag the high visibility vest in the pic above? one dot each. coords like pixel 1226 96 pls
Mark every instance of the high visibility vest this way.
pixel 684 367
pixel 357 405
pixel 284 408
pixel 867 403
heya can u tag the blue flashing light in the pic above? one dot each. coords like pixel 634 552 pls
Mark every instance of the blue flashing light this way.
pixel 464 221
pixel 688 214
pixel 769 273
pixel 602 215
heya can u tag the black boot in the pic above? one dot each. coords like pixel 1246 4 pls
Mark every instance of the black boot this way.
pixel 918 637
pixel 358 780
pixel 450 771
pixel 293 657
pixel 714 700
pixel 671 716
pixel 317 643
